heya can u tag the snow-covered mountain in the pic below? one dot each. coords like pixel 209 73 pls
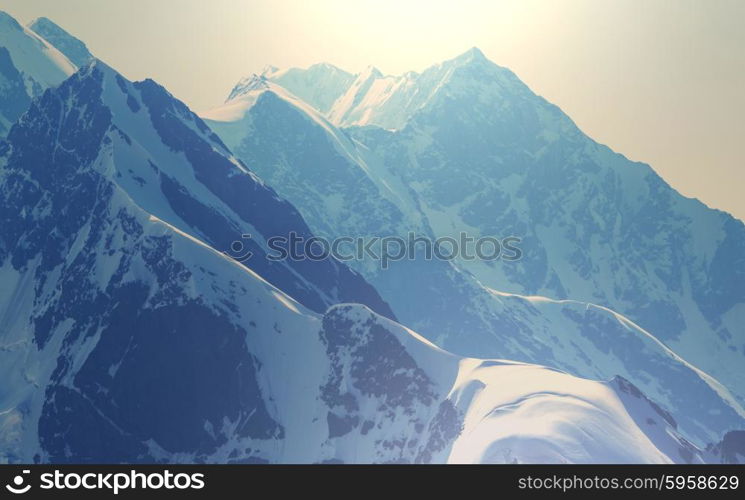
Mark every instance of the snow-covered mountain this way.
pixel 466 158
pixel 488 156
pixel 28 66
pixel 116 201
pixel 74 49
pixel 320 85
pixel 127 336
pixel 370 97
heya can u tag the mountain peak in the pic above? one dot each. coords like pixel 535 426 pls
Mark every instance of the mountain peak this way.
pixel 42 21
pixel 473 54
pixel 41 64
pixel 476 52
pixel 327 67
pixel 246 84
pixel 98 66
pixel 319 85
pixel 74 49
pixel 269 70
pixel 370 72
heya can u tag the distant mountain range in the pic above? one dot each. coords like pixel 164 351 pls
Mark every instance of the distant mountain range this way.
pixel 595 293
pixel 128 334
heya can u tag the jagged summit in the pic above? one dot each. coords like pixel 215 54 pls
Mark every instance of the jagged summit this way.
pixel 469 147
pixel 371 97
pixel 96 64
pixel 474 58
pixel 30 65
pixel 319 85
pixel 269 70
pixel 42 21
pixel 326 66
pixel 473 54
pixel 247 84
pixel 33 55
pixel 98 70
pixel 144 124
pixel 75 50
pixel 370 72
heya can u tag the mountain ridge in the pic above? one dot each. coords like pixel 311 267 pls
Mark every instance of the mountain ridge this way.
pixel 73 48
pixel 386 185
pixel 110 309
pixel 118 206
pixel 28 65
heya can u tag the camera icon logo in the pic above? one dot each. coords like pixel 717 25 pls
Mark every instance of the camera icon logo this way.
pixel 17 487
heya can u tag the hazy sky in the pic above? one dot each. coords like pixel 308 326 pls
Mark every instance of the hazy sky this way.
pixel 660 81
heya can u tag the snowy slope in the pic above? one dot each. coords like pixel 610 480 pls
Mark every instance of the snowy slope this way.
pixel 479 152
pixel 28 66
pixel 320 85
pixel 314 150
pixel 496 411
pixel 126 337
pixel 369 97
pixel 74 49
pixel 217 200
pixel 42 65
pixel 111 192
pixel 489 157
pixel 343 189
